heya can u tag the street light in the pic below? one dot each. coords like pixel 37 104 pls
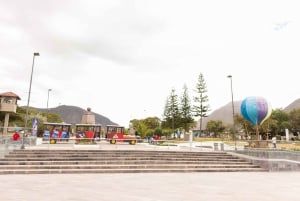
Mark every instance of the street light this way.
pixel 47 104
pixel 232 104
pixel 28 100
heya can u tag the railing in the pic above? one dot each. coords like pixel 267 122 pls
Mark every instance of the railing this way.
pixel 281 158
pixel 272 154
pixel 22 140
pixel 7 143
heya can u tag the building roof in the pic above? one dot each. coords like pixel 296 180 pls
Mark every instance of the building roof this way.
pixel 10 94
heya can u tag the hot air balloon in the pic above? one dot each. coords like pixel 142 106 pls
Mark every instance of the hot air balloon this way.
pixel 256 110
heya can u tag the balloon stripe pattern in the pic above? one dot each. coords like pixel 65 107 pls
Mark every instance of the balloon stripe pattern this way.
pixel 256 109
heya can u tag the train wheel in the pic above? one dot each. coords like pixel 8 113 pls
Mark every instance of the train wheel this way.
pixel 133 142
pixel 52 141
pixel 113 141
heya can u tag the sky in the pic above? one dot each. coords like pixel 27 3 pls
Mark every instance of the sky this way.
pixel 122 58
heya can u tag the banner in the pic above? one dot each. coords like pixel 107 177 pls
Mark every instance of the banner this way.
pixel 35 124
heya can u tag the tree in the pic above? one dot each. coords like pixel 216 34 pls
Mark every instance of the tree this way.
pixel 134 123
pixel 266 127
pixel 186 109
pixel 54 118
pixel 166 115
pixel 277 122
pixel 215 127
pixel 295 120
pixel 201 107
pixel 142 129
pixel 244 125
pixel 152 122
pixel 146 127
pixel 171 112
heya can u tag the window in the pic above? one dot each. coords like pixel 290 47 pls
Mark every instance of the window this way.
pixel 8 100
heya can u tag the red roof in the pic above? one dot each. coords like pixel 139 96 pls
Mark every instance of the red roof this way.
pixel 10 94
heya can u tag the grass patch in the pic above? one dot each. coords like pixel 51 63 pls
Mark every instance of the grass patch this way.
pixel 86 141
pixel 167 144
pixel 287 146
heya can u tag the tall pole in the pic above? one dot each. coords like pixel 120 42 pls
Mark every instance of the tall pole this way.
pixel 47 104
pixel 28 99
pixel 232 104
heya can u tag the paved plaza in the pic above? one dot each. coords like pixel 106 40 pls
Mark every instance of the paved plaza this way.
pixel 225 186
pixel 269 186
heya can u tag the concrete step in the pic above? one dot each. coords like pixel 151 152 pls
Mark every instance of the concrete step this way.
pixel 53 158
pixel 131 166
pixel 95 171
pixel 119 161
pixel 111 151
pixel 115 154
pixel 119 153
pixel 74 162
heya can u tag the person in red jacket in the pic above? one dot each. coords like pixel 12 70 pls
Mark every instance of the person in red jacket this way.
pixel 16 136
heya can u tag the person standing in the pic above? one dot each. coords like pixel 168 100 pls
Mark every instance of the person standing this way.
pixel 274 142
pixel 16 136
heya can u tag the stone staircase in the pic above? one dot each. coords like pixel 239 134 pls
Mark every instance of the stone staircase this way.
pixel 120 161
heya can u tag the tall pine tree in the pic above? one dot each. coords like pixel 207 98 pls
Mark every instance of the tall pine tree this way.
pixel 186 109
pixel 171 111
pixel 201 106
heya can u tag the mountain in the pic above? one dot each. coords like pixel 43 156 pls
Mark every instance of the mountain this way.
pixel 224 113
pixel 73 115
pixel 292 106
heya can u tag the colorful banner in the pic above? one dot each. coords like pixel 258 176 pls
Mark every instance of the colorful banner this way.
pixel 35 125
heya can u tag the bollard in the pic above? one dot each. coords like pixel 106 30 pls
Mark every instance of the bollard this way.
pixel 222 146
pixel 216 148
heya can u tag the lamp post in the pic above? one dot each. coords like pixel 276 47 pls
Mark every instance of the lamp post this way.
pixel 232 104
pixel 28 100
pixel 48 103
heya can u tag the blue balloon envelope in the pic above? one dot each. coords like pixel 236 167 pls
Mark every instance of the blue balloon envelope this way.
pixel 256 109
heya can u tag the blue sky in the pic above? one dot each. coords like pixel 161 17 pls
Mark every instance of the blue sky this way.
pixel 123 58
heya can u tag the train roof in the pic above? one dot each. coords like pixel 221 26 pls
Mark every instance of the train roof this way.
pixel 57 124
pixel 88 124
pixel 111 125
